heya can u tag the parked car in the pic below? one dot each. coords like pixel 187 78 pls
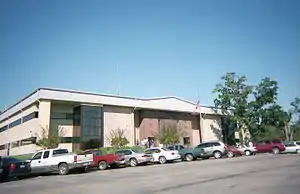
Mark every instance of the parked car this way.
pixel 175 147
pixel 163 155
pixel 292 147
pixel 247 150
pixel 13 168
pixel 134 157
pixel 59 160
pixel 232 151
pixel 204 150
pixel 104 161
pixel 274 146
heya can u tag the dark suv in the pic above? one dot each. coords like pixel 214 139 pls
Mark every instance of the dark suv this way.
pixel 269 146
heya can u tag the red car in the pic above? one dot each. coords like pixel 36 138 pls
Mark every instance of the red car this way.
pixel 269 146
pixel 232 151
pixel 104 161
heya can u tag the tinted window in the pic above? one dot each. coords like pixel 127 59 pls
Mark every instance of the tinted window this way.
pixel 171 147
pixel 153 150
pixel 15 123
pixel 127 152
pixel 67 116
pixel 267 142
pixel 60 151
pixel 37 156
pixel 260 143
pixel 216 144
pixel 276 141
pixel 3 128
pixel 30 116
pixel 181 147
pixel 46 154
pixel 97 153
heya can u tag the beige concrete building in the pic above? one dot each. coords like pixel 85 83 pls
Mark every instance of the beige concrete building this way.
pixel 85 120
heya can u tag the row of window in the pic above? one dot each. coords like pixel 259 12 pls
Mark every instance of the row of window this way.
pixel 71 116
pixel 23 142
pixel 20 121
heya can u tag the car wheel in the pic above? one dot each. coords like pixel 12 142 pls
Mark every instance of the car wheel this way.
pixel 189 157
pixel 217 154
pixel 133 162
pixel 102 165
pixel 162 160
pixel 298 151
pixel 247 153
pixel 230 154
pixel 275 151
pixel 63 169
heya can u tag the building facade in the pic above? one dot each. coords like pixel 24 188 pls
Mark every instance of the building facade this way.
pixel 86 120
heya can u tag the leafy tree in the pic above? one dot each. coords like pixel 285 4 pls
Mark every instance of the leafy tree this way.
pixel 50 139
pixel 232 99
pixel 117 138
pixel 263 107
pixel 169 134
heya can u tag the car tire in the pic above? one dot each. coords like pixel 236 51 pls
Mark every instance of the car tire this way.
pixel 275 151
pixel 189 157
pixel 102 165
pixel 162 160
pixel 133 162
pixel 217 154
pixel 230 154
pixel 247 153
pixel 63 169
pixel 298 151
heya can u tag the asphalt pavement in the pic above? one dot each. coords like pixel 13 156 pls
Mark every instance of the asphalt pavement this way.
pixel 265 174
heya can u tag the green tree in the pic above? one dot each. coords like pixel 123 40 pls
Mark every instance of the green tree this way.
pixel 262 107
pixel 169 134
pixel 117 138
pixel 232 99
pixel 49 139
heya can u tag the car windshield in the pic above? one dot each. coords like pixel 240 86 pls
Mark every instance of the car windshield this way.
pixel 138 151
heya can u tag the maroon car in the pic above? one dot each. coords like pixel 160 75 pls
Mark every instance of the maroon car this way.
pixel 269 146
pixel 232 151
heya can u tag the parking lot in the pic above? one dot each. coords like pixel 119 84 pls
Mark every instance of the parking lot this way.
pixel 265 173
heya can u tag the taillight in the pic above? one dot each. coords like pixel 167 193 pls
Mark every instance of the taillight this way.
pixel 12 167
pixel 75 158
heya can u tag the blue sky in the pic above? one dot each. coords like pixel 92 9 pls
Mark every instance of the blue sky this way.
pixel 162 47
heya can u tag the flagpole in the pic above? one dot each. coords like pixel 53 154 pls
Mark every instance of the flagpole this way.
pixel 200 115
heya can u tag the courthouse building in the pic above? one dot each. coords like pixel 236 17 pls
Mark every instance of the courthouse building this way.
pixel 86 119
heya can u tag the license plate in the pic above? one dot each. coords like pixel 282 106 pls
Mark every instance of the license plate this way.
pixel 22 166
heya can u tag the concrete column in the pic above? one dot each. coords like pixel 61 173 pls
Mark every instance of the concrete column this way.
pixel 44 115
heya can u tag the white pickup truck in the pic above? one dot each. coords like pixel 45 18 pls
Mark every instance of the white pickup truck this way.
pixel 59 160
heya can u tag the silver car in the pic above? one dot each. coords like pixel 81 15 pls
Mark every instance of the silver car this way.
pixel 292 147
pixel 135 157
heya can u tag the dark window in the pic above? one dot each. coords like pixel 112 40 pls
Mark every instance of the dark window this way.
pixel 260 143
pixel 60 151
pixel 97 153
pixel 276 141
pixel 216 144
pixel 298 143
pixel 155 151
pixel 37 156
pixel 267 142
pixel 171 147
pixel 68 116
pixel 2 147
pixel 15 123
pixel 180 147
pixel 30 116
pixel 28 141
pixel 15 144
pixel 4 128
pixel 186 140
pixel 46 154
pixel 70 139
